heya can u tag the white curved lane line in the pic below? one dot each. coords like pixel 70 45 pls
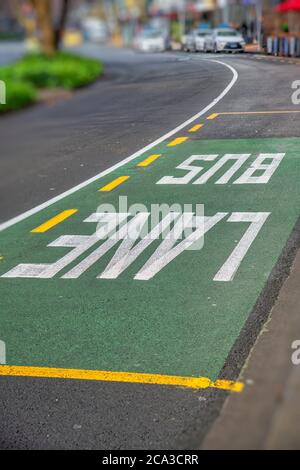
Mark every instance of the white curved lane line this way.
pixel 137 154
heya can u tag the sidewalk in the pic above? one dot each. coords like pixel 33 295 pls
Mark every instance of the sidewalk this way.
pixel 281 59
pixel 253 51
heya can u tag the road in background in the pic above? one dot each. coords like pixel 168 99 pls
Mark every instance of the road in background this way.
pixel 198 315
pixel 10 51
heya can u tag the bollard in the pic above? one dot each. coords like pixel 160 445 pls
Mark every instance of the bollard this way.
pixel 292 47
pixel 298 47
pixel 286 48
pixel 275 46
pixel 269 45
pixel 281 46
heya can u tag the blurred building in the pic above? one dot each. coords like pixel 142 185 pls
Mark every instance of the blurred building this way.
pixel 120 20
pixel 256 17
pixel 9 26
pixel 190 11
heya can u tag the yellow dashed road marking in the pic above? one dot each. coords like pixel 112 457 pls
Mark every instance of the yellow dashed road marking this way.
pixel 113 184
pixel 196 128
pixel 54 221
pixel 130 377
pixel 149 160
pixel 177 141
pixel 213 116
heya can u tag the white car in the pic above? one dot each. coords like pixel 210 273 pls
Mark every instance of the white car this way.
pixel 188 41
pixel 194 41
pixel 199 39
pixel 150 41
pixel 224 40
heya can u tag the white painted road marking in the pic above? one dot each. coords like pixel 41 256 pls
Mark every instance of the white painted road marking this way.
pixel 259 165
pixel 230 267
pixel 130 248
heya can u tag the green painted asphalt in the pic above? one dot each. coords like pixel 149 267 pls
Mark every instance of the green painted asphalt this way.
pixel 180 322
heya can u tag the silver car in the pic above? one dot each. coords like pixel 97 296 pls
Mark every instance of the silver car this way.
pixel 199 39
pixel 194 41
pixel 224 40
pixel 188 41
pixel 150 41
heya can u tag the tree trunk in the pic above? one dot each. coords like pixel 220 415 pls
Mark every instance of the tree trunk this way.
pixel 117 30
pixel 44 19
pixel 62 22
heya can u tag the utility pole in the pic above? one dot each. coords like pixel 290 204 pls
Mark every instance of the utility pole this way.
pixel 258 11
pixel 182 16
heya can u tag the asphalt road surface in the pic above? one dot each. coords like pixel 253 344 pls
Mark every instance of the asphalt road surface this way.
pixel 124 348
pixel 10 52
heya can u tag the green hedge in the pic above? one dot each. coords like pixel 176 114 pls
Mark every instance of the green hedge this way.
pixel 35 71
pixel 62 71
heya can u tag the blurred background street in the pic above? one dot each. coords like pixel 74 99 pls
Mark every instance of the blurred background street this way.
pixel 119 22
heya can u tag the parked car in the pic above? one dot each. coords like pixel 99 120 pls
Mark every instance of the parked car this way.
pixel 194 41
pixel 151 41
pixel 188 41
pixel 200 36
pixel 224 40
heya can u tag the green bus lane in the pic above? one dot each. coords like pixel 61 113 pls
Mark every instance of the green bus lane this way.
pixel 71 305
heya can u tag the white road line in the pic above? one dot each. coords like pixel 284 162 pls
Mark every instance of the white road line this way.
pixel 148 147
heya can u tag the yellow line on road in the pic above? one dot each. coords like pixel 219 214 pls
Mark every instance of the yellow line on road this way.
pixel 196 128
pixel 54 221
pixel 113 184
pixel 177 141
pixel 261 112
pixel 149 160
pixel 130 377
pixel 213 116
